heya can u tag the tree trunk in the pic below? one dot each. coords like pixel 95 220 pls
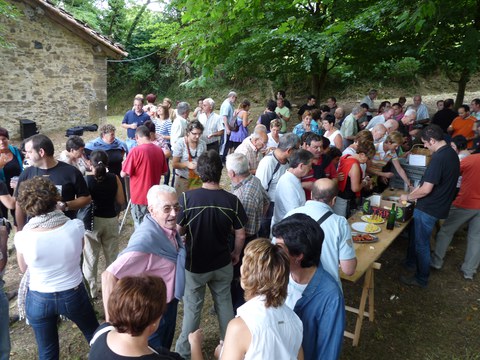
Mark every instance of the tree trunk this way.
pixel 319 77
pixel 462 85
pixel 135 22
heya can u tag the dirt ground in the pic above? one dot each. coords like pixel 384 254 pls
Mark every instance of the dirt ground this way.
pixel 439 322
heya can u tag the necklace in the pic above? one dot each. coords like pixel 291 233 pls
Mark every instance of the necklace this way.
pixel 190 153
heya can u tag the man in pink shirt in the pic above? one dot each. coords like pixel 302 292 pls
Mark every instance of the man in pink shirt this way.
pixel 145 164
pixel 155 248
pixel 465 209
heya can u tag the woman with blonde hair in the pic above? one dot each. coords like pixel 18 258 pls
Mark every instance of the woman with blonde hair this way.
pixel 265 328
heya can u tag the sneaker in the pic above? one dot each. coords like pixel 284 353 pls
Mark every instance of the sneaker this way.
pixel 411 281
pixel 435 266
pixel 467 277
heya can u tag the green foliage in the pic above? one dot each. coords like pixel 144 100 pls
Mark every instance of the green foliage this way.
pixel 6 11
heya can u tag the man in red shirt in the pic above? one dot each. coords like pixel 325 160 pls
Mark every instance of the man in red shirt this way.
pixel 465 209
pixel 322 165
pixel 145 164
pixel 464 124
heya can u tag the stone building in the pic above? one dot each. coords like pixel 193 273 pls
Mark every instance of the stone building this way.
pixel 55 71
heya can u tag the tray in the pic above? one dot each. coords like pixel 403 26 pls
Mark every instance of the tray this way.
pixel 373 238
pixel 367 218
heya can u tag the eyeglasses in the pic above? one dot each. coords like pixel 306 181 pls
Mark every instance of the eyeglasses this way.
pixel 167 209
pixel 196 133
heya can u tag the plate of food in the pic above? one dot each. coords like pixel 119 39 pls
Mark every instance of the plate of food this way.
pixel 366 227
pixel 360 238
pixel 373 219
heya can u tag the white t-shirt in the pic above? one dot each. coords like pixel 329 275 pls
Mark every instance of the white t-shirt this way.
pixel 277 333
pixel 271 141
pixel 289 196
pixel 295 291
pixel 53 256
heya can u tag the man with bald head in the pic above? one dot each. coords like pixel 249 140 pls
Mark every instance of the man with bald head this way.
pixel 378 133
pixel 337 246
pixel 391 125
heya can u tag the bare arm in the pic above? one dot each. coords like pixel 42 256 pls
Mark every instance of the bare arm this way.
pixel 119 196
pixel 300 354
pixel 239 242
pixel 348 266
pixel 108 282
pixel 419 193
pixel 338 141
pixel 401 172
pixel 8 200
pixel 20 216
pixel 196 339
pixel 79 202
pixel 355 178
pixel 21 262
pixel 237 340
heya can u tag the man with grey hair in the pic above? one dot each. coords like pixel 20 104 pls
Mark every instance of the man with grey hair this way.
pixel 213 125
pixel 180 123
pixel 391 125
pixel 255 201
pixel 379 133
pixel 407 120
pixel 380 119
pixel 269 171
pixel 155 248
pixel 251 147
pixel 337 248
pixel 226 112
pixel 421 108
pixel 350 126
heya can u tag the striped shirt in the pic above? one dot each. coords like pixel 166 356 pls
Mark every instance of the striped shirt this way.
pixel 163 127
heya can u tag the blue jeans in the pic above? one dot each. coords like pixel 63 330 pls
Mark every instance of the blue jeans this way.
pixel 163 337
pixel 4 323
pixel 138 213
pixel 131 143
pixel 43 310
pixel 418 253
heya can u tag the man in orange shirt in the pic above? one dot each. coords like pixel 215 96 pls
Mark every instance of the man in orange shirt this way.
pixel 465 209
pixel 463 124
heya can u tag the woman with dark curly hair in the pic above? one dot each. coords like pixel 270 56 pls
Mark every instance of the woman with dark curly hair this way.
pixel 265 328
pixel 48 251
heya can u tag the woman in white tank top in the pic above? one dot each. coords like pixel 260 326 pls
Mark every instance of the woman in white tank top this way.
pixel 331 132
pixel 265 328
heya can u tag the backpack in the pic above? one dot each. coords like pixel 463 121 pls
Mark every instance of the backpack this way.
pixel 233 123
pixel 76 130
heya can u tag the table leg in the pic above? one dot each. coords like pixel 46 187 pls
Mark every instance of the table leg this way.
pixel 368 291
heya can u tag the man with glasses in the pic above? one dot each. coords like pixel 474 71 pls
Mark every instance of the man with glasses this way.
pixel 155 248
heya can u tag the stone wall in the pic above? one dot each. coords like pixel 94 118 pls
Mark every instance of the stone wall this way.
pixel 49 75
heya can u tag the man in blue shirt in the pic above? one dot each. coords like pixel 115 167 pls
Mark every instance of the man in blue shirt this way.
pixel 313 293
pixel 133 119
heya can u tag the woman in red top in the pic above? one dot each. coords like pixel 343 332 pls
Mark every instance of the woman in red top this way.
pixel 350 187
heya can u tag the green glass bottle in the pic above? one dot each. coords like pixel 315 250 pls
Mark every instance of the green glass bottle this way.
pixel 391 218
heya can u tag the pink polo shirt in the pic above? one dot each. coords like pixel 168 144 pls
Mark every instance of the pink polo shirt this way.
pixel 139 263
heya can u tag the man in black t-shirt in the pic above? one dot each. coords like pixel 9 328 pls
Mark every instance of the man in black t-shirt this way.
pixel 68 179
pixel 444 117
pixel 310 105
pixel 434 197
pixel 268 115
pixel 208 216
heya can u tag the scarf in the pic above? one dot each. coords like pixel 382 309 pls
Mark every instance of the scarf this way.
pixel 45 221
pixel 16 154
pixel 150 238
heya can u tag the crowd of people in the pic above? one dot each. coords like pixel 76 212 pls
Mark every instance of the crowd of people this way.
pixel 269 249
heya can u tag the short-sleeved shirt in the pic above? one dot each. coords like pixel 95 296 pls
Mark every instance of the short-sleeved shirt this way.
pixel 444 118
pixel 284 111
pixel 469 194
pixel 269 171
pixel 131 117
pixel 180 150
pixel 442 172
pixel 226 109
pixel 337 244
pixel 299 129
pixel 209 217
pixel 349 126
pixel 177 130
pixel 464 127
pixel 68 179
pixel 164 128
pixel 289 195
pixel 254 199
pixel 266 118
pixel 212 124
pixel 306 107
pixel 250 151
pixel 145 164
